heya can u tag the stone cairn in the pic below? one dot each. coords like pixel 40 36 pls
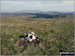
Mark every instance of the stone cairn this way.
pixel 28 38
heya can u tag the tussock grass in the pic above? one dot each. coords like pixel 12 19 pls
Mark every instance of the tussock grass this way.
pixel 55 35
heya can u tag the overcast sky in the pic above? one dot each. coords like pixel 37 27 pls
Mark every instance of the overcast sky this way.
pixel 11 6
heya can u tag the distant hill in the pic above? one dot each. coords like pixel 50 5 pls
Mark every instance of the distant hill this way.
pixel 29 11
pixel 43 12
pixel 38 14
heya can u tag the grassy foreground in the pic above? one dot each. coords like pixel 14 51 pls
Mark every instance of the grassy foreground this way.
pixel 55 35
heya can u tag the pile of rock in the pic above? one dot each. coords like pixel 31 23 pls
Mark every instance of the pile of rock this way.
pixel 29 38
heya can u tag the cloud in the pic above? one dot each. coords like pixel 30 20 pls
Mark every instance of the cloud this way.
pixel 37 5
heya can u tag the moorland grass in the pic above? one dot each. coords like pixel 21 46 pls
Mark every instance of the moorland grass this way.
pixel 55 35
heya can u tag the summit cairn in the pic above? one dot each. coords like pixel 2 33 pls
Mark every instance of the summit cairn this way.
pixel 28 38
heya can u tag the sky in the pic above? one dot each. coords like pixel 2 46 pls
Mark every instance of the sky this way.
pixel 13 6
